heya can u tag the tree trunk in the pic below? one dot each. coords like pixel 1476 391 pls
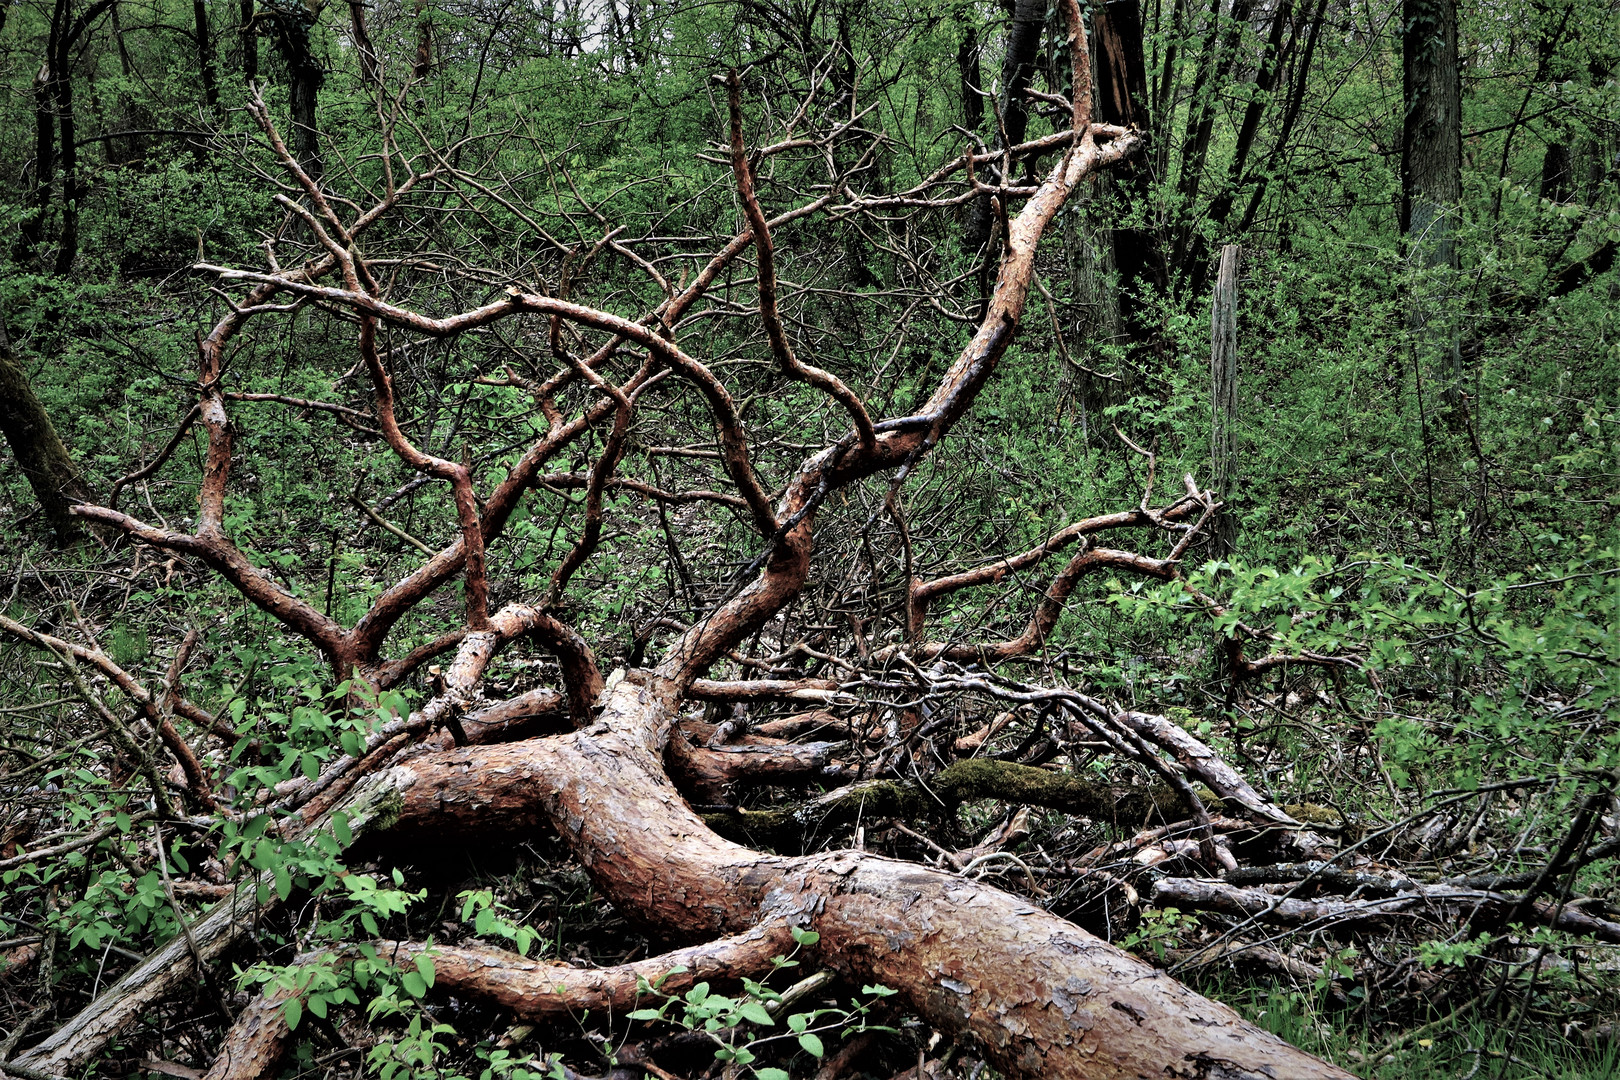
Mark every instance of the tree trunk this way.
pixel 249 40
pixel 205 55
pixel 1265 80
pixel 363 45
pixel 967 67
pixel 292 29
pixel 1431 137
pixel 1431 177
pixel 1223 373
pixel 49 467
pixel 1122 98
pixel 1043 997
pixel 1017 68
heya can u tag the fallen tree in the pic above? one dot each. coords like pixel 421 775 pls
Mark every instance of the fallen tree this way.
pixel 1039 995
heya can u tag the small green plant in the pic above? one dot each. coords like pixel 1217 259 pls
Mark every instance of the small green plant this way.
pixel 485 911
pixel 728 1020
pixel 1160 928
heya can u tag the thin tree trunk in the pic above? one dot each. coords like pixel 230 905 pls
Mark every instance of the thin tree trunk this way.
pixel 363 45
pixel 1122 98
pixel 38 199
pixel 1223 373
pixel 967 66
pixel 205 55
pixel 1023 45
pixel 43 459
pixel 1201 125
pixel 1431 176
pixel 292 30
pixel 1264 81
pixel 1296 102
pixel 1431 138
pixel 249 40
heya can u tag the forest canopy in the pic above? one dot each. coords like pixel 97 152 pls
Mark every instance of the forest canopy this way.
pixel 809 538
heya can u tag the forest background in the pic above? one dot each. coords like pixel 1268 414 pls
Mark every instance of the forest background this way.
pixel 1403 216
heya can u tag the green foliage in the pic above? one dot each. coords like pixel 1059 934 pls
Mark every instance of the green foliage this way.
pixel 731 1021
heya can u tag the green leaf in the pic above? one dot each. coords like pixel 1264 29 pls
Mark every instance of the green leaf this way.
pixel 414 985
pixel 294 1012
pixel 812 1044
pixel 647 1014
pixel 753 1010
pixel 424 966
pixel 340 828
pixel 798 1022
pixel 317 1005
pixel 283 882
pixel 805 937
pixel 771 1074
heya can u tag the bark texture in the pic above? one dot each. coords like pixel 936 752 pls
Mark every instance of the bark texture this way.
pixel 56 480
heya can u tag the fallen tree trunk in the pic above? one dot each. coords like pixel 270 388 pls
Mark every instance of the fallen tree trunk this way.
pixel 1043 997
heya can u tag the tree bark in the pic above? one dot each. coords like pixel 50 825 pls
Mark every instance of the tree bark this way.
pixel 1017 68
pixel 1122 98
pixel 249 40
pixel 1431 179
pixel 967 67
pixel 292 27
pixel 1223 374
pixel 1043 997
pixel 56 480
pixel 1431 135
pixel 205 55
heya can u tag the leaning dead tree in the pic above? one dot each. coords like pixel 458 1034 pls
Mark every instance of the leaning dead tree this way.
pixel 619 765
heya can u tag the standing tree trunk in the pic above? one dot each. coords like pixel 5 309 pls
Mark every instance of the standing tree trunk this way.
pixel 1431 175
pixel 56 138
pixel 32 437
pixel 292 22
pixel 1017 68
pixel 1122 98
pixel 967 66
pixel 363 45
pixel 1223 377
pixel 249 40
pixel 205 55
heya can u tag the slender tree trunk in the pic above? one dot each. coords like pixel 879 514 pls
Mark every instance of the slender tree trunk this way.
pixel 1122 98
pixel 1431 138
pixel 1223 374
pixel 1023 45
pixel 43 459
pixel 292 30
pixel 1265 81
pixel 1296 102
pixel 249 40
pixel 205 55
pixel 967 66
pixel 67 248
pixel 38 197
pixel 1213 73
pixel 363 45
pixel 1431 176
